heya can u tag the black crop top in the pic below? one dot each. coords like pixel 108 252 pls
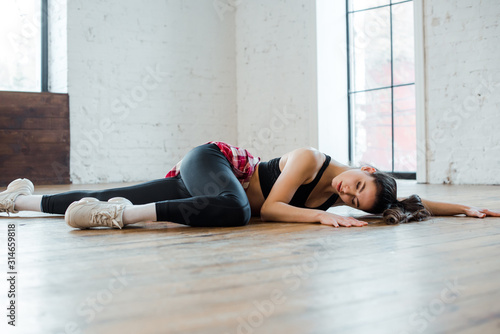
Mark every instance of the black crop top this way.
pixel 270 171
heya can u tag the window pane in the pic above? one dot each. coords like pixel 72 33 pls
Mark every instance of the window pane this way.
pixel 370 49
pixel 363 4
pixel 372 128
pixel 20 43
pixel 403 43
pixel 405 124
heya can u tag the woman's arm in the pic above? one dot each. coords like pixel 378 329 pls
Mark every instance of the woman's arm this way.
pixel 301 167
pixel 443 209
pixel 287 213
pixel 451 209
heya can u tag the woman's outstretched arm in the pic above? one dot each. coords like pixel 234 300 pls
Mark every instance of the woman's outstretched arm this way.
pixel 451 209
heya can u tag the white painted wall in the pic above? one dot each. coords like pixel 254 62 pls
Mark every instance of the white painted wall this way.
pixel 147 81
pixel 462 52
pixel 276 75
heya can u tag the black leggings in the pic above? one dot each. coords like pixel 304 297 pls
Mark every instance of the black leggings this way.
pixel 205 193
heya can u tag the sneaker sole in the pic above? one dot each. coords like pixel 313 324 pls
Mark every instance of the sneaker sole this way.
pixel 120 200
pixel 19 183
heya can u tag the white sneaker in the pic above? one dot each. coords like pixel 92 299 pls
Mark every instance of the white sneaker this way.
pixel 14 189
pixel 90 212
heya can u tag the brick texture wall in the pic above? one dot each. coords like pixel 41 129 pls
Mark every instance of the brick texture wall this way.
pixel 462 52
pixel 147 82
pixel 276 75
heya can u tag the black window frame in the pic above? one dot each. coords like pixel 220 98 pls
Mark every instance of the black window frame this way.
pixel 397 175
pixel 45 47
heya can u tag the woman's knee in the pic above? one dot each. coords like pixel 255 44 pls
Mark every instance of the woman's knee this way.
pixel 238 214
pixel 242 216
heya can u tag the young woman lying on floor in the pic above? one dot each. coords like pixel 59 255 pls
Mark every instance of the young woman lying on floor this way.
pixel 217 184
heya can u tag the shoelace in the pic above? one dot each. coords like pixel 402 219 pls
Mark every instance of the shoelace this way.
pixel 103 218
pixel 6 206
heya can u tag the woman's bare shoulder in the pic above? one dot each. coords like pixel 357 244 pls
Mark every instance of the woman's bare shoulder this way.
pixel 308 154
pixel 308 157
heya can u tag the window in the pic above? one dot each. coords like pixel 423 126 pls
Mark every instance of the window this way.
pixel 381 85
pixel 23 40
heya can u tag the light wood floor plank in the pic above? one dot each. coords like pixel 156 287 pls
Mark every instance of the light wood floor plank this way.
pixel 179 279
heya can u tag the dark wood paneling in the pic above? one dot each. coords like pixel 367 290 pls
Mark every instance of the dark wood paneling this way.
pixel 34 137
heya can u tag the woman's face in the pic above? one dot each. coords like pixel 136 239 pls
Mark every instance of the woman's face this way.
pixel 356 188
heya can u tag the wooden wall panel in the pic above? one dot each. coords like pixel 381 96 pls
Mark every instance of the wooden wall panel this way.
pixel 34 137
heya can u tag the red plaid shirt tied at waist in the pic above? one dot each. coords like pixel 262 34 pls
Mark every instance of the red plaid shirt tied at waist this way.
pixel 242 162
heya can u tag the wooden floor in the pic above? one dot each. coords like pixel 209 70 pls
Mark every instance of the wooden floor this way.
pixel 437 276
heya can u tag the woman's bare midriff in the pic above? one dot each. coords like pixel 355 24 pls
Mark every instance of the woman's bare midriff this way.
pixel 254 193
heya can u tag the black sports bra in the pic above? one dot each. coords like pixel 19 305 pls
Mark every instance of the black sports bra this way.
pixel 270 171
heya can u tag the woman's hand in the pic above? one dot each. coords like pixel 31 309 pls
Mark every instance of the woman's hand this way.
pixel 331 219
pixel 472 211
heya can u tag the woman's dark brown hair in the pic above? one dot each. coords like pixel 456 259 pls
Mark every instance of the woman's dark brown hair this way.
pixel 387 204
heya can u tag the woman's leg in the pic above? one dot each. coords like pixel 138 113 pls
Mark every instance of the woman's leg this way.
pixel 28 203
pixel 148 192
pixel 144 193
pixel 139 213
pixel 214 197
pixel 132 214
pixel 205 194
pixel 218 199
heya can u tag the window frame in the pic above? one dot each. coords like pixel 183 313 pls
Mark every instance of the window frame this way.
pixel 45 47
pixel 350 92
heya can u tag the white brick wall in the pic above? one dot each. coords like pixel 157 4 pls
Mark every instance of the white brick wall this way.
pixel 462 55
pixel 147 82
pixel 125 130
pixel 276 75
pixel 245 72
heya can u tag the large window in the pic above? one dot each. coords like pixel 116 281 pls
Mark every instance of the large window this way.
pixel 381 85
pixel 23 41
